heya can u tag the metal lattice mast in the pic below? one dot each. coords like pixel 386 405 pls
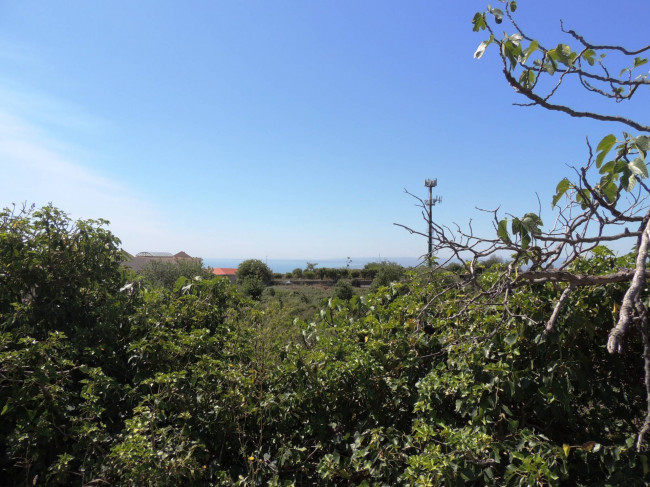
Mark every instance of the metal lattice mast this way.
pixel 429 204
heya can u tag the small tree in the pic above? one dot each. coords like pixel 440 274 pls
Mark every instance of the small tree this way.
pixel 343 290
pixel 57 274
pixel 254 268
pixel 385 272
pixel 253 287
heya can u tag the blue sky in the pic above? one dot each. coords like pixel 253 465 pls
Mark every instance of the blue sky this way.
pixel 285 129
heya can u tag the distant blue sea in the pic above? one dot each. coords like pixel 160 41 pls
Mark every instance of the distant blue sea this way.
pixel 288 265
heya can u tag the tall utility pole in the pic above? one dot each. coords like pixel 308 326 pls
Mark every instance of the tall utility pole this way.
pixel 430 203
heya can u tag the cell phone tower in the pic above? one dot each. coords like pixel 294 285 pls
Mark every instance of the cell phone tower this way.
pixel 429 204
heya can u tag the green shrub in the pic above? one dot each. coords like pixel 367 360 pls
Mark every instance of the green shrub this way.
pixel 385 272
pixel 343 290
pixel 253 287
pixel 254 268
pixel 455 267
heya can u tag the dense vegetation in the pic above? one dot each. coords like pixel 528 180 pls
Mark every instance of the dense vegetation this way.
pixel 104 379
pixel 447 377
pixel 166 273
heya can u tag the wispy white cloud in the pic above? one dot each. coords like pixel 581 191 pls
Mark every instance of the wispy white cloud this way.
pixel 47 112
pixel 39 168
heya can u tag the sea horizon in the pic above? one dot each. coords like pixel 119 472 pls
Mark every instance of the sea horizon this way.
pixel 288 265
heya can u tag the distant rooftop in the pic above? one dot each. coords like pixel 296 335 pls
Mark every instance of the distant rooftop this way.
pixel 154 254
pixel 224 271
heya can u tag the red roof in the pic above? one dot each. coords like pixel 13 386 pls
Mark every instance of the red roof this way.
pixel 224 271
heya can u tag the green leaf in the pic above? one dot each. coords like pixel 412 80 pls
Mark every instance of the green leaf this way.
pixel 512 50
pixel 531 223
pixel 566 56
pixel 563 54
pixel 638 61
pixel 642 143
pixel 531 78
pixel 610 191
pixel 628 181
pixel 606 143
pixel 520 228
pixel 588 56
pixel 638 167
pixel 550 67
pixel 527 78
pixel 614 168
pixel 583 199
pixel 604 146
pixel 513 6
pixel 562 187
pixel 608 167
pixel 179 283
pixel 498 15
pixel 479 22
pixel 5 409
pixel 502 231
pixel 482 46
pixel 516 39
pixel 532 47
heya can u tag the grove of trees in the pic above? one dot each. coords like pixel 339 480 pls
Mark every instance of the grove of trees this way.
pixel 534 371
pixel 167 273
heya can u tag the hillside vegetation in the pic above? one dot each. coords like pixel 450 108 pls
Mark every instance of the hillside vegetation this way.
pixel 107 380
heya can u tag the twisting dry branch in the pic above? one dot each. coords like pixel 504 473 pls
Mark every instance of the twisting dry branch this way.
pixel 541 101
pixel 596 47
pixel 550 324
pixel 632 295
pixel 643 329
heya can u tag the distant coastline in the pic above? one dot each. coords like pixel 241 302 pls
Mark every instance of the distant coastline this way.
pixel 288 265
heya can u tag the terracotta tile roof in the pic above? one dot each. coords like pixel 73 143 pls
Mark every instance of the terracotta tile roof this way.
pixel 182 255
pixel 224 271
